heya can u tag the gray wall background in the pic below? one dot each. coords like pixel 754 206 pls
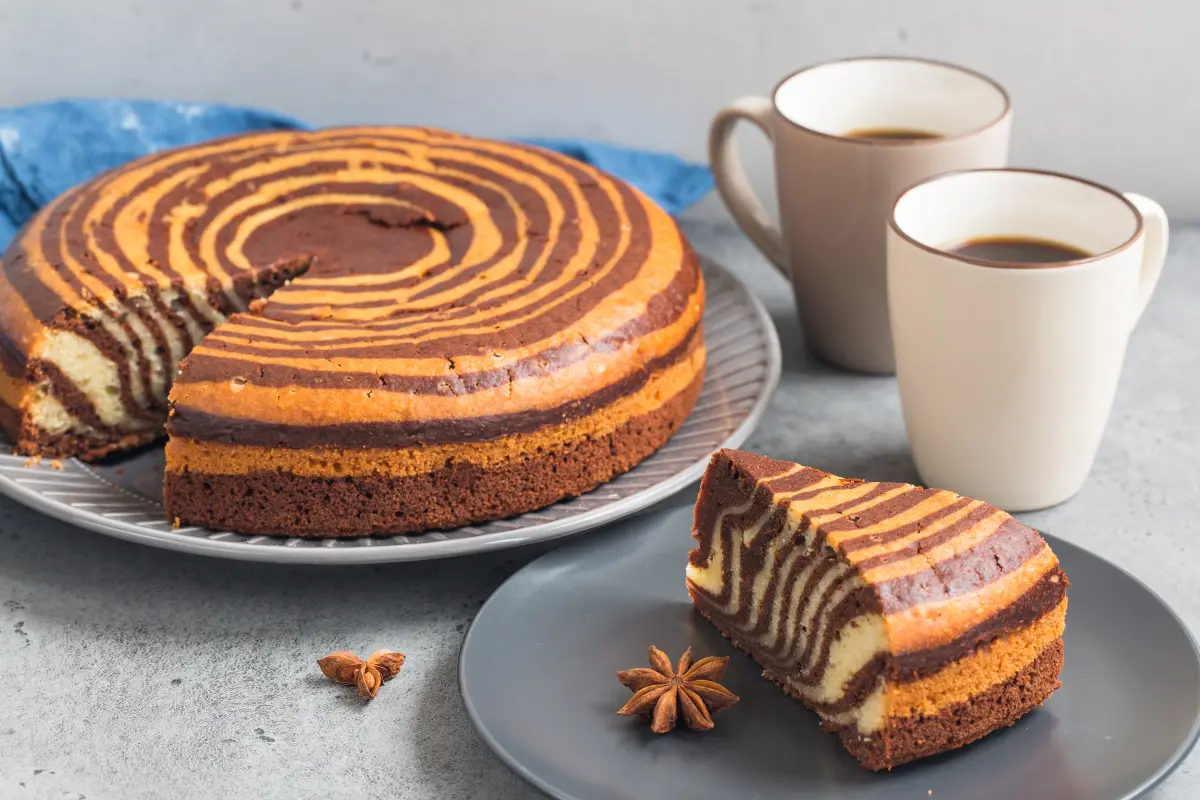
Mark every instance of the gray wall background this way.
pixel 1107 89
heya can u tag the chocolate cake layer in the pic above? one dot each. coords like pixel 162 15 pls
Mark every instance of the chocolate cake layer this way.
pixel 869 601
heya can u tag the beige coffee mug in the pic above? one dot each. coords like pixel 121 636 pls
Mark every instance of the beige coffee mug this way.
pixel 836 190
pixel 1007 373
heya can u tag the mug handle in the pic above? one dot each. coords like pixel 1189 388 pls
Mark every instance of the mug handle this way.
pixel 747 210
pixel 1155 250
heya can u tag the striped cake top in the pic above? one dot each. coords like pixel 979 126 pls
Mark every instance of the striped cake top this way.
pixel 437 275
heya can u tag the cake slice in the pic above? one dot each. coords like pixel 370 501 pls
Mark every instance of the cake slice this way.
pixel 911 620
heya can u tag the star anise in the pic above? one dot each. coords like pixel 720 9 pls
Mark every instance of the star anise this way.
pixel 350 670
pixel 689 690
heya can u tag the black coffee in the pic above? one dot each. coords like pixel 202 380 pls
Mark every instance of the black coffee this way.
pixel 1017 251
pixel 892 133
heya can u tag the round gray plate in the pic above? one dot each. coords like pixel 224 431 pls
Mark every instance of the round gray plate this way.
pixel 537 674
pixel 123 497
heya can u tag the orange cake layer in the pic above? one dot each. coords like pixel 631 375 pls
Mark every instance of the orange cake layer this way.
pixel 911 620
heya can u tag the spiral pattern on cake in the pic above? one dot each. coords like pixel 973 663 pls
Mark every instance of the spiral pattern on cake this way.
pixel 360 289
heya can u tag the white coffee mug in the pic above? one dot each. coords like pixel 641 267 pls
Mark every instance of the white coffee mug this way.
pixel 837 182
pixel 1007 374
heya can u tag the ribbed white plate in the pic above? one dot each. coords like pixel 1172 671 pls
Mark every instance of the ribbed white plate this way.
pixel 123 497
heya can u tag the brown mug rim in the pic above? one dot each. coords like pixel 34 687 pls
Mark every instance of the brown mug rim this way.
pixel 1023 267
pixel 893 142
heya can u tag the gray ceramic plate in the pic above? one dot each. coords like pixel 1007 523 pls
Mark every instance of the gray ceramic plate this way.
pixel 537 675
pixel 123 497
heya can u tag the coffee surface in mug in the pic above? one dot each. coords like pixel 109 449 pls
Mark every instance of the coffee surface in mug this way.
pixel 1018 251
pixel 892 134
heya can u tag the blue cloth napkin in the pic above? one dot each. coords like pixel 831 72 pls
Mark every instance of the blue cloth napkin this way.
pixel 46 149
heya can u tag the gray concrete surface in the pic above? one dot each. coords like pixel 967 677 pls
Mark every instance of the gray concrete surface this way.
pixel 1101 89
pixel 130 673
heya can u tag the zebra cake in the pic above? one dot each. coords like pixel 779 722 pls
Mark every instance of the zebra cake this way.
pixel 912 621
pixel 353 331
